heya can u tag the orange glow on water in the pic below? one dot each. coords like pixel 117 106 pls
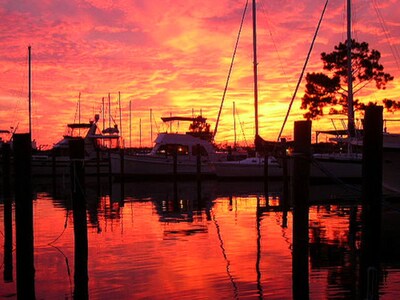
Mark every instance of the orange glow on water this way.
pixel 173 58
pixel 231 242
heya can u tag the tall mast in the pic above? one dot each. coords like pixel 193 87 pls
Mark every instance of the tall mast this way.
pixel 140 133
pixel 120 114
pixel 255 68
pixel 151 126
pixel 103 117
pixel 79 108
pixel 30 90
pixel 234 124
pixel 79 112
pixel 350 109
pixel 130 123
pixel 109 110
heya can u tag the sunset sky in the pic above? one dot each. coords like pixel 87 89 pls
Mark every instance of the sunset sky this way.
pixel 173 57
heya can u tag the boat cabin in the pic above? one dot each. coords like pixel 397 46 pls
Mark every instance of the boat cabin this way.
pixel 196 140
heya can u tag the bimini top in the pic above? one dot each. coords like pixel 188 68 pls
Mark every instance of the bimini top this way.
pixel 189 119
pixel 79 125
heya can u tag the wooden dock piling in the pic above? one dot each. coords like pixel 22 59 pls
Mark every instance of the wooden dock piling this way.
pixel 300 195
pixel 372 203
pixel 285 194
pixel 301 161
pixel 122 166
pixel 76 148
pixel 24 216
pixel 372 155
pixel 266 187
pixel 6 159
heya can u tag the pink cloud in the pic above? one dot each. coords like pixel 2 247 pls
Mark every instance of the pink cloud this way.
pixel 169 56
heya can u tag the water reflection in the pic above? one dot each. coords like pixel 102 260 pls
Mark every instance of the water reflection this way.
pixel 227 240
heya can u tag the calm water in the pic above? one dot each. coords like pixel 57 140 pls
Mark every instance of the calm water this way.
pixel 225 241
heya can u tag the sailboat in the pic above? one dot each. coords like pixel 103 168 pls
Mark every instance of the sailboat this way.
pixel 348 165
pixel 56 161
pixel 251 167
pixel 391 161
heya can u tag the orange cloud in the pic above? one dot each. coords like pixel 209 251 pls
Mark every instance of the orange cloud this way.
pixel 173 57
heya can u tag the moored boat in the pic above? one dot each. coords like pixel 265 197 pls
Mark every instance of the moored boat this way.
pixel 97 144
pixel 391 162
pixel 174 154
pixel 249 168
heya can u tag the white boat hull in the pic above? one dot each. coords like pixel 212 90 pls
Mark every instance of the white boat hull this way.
pixel 248 168
pixel 391 169
pixel 143 166
pixel 336 166
pixel 45 166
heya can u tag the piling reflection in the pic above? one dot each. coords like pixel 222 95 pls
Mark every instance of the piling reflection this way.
pixel 8 236
pixel 370 270
pixel 8 241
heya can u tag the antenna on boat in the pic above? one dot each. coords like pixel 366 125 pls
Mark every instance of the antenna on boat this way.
pixel 120 115
pixel 350 109
pixel 79 112
pixel 140 133
pixel 255 68
pixel 130 123
pixel 234 125
pixel 151 126
pixel 30 90
pixel 170 123
pixel 103 107
pixel 109 110
pixel 79 108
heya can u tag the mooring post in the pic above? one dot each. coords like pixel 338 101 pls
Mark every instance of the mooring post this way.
pixel 285 172
pixel 300 194
pixel 175 163
pixel 266 188
pixel 285 195
pixel 76 150
pixel 122 191
pixel 8 232
pixel 372 202
pixel 24 216
pixel 122 160
pixel 198 172
pixel 301 161
pixel 372 155
pixel 6 149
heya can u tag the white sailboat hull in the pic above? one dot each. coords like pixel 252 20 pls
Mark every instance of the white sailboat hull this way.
pixel 247 168
pixel 391 169
pixel 341 166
